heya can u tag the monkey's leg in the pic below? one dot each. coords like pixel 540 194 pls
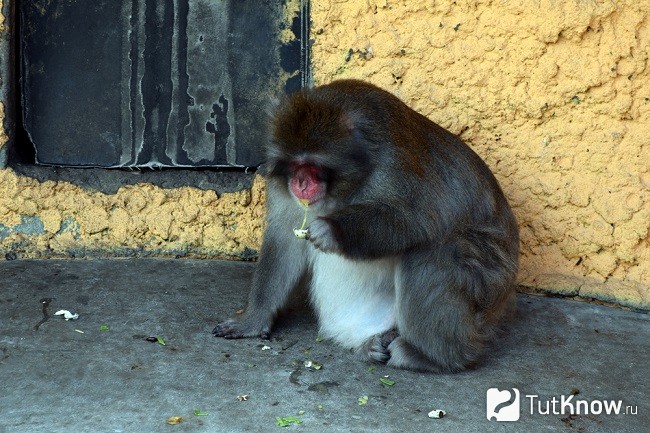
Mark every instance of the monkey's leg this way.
pixel 436 322
pixel 282 263
pixel 450 299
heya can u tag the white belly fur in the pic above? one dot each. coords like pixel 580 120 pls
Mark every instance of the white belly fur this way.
pixel 354 300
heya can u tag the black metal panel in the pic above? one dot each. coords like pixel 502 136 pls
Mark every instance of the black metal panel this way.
pixel 136 83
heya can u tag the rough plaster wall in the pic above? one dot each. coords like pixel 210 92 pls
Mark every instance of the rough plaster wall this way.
pixel 554 95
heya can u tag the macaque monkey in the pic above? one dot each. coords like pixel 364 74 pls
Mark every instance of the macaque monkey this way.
pixel 411 249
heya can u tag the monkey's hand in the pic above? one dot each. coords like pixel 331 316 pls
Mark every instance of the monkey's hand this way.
pixel 321 235
pixel 232 329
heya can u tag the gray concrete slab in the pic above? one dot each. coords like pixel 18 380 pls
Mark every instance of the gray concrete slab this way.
pixel 56 379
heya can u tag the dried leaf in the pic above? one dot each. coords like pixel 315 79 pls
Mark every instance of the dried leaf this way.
pixel 173 420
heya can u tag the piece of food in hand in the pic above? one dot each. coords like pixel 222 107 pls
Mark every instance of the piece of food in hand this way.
pixel 302 232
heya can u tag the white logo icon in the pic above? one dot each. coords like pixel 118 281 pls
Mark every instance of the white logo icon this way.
pixel 503 405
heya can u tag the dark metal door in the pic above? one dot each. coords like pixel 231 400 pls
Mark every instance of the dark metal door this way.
pixel 154 83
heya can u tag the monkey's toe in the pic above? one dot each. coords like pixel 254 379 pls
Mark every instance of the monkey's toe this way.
pixel 228 329
pixel 377 353
pixel 233 329
pixel 377 347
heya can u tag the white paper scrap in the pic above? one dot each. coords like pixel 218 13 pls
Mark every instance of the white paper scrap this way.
pixel 67 315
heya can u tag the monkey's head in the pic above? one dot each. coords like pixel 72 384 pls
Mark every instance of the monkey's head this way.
pixel 318 147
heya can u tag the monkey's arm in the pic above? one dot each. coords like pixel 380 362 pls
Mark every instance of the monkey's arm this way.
pixel 282 263
pixel 367 231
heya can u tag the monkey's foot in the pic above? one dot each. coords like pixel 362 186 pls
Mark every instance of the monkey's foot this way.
pixel 232 329
pixel 377 347
pixel 406 356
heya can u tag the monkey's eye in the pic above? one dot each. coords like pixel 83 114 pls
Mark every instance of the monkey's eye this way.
pixel 326 174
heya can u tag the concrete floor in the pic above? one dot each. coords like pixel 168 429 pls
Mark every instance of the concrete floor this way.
pixel 56 379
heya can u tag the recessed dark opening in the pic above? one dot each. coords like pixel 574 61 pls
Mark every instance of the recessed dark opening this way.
pixel 152 83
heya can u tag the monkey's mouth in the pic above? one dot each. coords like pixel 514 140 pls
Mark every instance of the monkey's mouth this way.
pixel 305 182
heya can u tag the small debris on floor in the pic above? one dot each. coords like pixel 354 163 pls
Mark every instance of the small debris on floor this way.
pixel 287 421
pixel 174 420
pixel 67 315
pixel 154 339
pixel 437 413
pixel 312 365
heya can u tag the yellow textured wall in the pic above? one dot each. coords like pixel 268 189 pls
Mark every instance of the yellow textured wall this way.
pixel 42 219
pixel 554 95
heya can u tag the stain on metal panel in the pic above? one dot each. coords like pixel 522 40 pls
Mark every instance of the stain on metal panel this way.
pixel 156 83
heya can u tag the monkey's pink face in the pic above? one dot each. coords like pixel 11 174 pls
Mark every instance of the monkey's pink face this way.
pixel 306 182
